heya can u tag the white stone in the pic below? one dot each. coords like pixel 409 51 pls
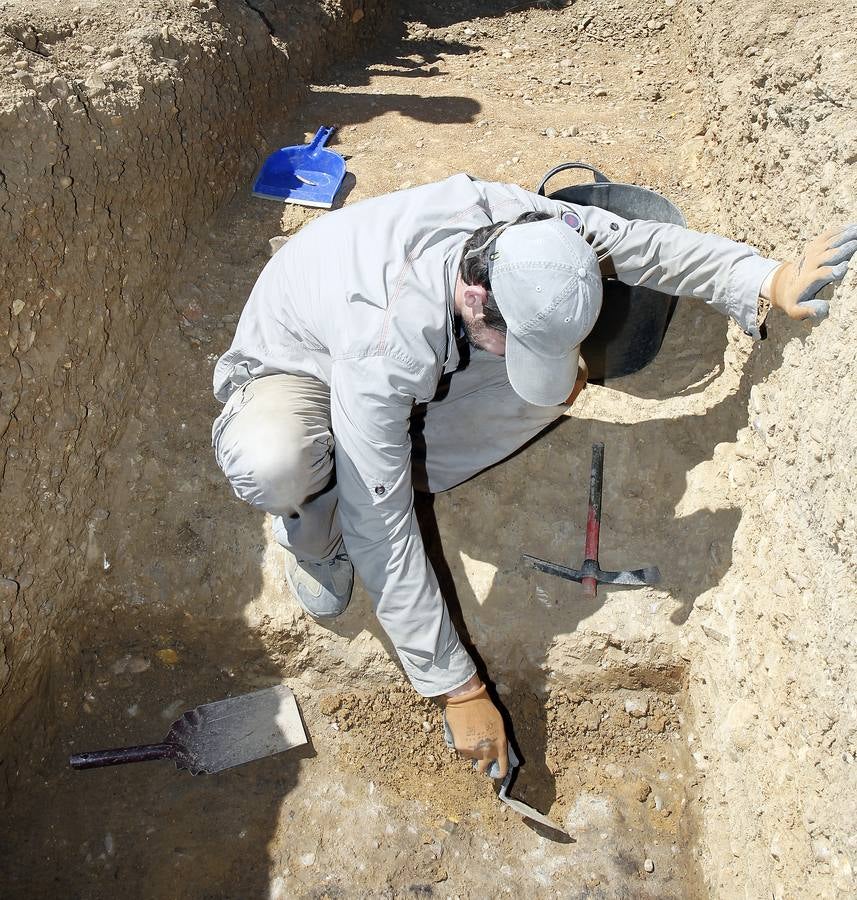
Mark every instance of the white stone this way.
pixel 821 850
pixel 275 243
pixel 636 707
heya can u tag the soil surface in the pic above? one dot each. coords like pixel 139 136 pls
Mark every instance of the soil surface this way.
pixel 185 599
pixel 380 807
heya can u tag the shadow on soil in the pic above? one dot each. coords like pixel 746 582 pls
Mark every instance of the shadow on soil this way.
pixel 145 830
pixel 397 54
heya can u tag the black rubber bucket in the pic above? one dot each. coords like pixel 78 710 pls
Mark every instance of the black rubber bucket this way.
pixel 634 320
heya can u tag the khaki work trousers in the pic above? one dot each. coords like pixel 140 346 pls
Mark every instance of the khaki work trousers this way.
pixel 274 443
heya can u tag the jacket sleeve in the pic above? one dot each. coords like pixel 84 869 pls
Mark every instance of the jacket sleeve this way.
pixel 725 274
pixel 371 402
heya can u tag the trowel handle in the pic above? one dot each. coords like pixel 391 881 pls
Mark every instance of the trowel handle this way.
pixel 593 515
pixel 321 138
pixel 95 759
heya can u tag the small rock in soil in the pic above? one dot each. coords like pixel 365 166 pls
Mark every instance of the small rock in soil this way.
pixel 642 791
pixel 636 707
pixel 329 705
pixel 131 664
pixel 275 243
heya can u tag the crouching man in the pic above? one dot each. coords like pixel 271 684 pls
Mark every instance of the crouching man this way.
pixel 412 340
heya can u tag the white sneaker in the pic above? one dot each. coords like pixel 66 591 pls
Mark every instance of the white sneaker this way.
pixel 323 589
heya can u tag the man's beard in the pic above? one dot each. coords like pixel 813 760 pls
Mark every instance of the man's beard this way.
pixel 474 332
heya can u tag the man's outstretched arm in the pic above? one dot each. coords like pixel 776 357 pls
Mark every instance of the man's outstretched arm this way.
pixel 730 276
pixel 371 400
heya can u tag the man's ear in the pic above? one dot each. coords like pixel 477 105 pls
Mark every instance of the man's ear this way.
pixel 474 297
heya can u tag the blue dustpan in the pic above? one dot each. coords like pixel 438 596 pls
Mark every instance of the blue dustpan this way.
pixel 309 175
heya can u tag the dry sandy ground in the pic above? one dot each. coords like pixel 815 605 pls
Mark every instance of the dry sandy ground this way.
pixel 376 806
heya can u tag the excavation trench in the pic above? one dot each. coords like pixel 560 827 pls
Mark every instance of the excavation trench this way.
pixel 169 592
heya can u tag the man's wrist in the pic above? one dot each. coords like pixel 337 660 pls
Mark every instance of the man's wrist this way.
pixel 765 289
pixel 472 684
pixel 766 296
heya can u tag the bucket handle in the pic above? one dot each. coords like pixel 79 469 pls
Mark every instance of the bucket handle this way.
pixel 600 177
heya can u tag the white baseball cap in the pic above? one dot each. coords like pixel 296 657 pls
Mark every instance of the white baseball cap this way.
pixel 547 284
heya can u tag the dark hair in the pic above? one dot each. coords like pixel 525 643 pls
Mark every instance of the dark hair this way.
pixel 475 269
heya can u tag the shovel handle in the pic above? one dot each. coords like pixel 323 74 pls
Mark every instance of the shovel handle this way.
pixel 96 759
pixel 321 138
pixel 593 516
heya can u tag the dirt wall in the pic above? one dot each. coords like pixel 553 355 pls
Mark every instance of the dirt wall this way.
pixel 119 128
pixel 116 148
pixel 773 645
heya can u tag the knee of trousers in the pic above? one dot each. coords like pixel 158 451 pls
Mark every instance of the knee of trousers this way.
pixel 275 476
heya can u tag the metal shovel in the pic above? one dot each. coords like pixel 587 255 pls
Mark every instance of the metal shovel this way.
pixel 590 574
pixel 217 735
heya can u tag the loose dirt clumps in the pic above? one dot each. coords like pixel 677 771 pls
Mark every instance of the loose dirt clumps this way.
pixel 575 741
pixel 396 739
pixel 696 739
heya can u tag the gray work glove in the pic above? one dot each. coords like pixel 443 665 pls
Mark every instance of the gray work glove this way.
pixel 794 286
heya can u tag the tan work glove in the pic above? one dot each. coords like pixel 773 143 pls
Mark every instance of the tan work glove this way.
pixel 825 260
pixel 476 728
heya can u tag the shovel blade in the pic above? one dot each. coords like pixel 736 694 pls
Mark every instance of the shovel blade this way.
pixel 528 812
pixel 227 733
pixel 524 809
pixel 306 174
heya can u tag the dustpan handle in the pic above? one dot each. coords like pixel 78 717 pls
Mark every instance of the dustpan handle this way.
pixel 600 177
pixel 321 138
pixel 95 759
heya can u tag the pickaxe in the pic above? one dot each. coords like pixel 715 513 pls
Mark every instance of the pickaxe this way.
pixel 590 573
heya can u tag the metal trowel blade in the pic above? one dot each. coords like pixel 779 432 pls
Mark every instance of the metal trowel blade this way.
pixel 527 811
pixel 521 808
